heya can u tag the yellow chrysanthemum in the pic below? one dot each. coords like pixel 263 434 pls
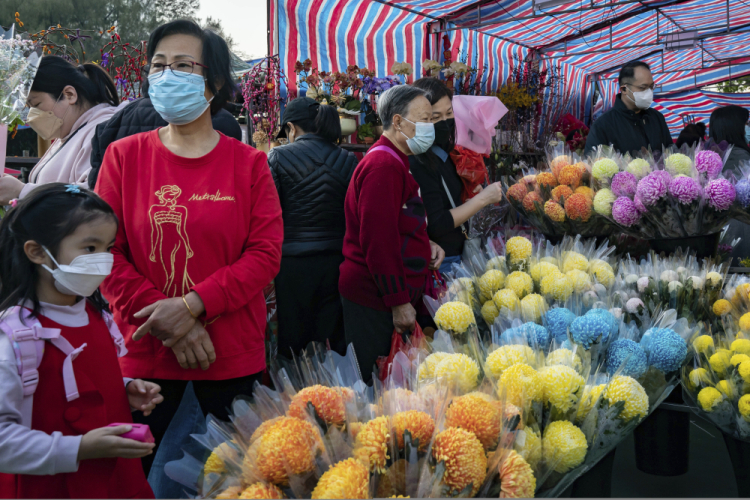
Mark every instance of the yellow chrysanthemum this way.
pixel 521 283
pixel 419 424
pixel 261 491
pixel 588 400
pixel 704 345
pixel 455 317
pixel 581 280
pixel 741 346
pixel 516 477
pixel 289 445
pixel 463 290
pixel 518 248
pixel 603 202
pixel 215 462
pixel 722 307
pixel 714 279
pixel 371 444
pixel 532 307
pixel 741 294
pixel 565 357
pixel 346 479
pixel 522 385
pixel 542 269
pixel 745 323
pixel 490 312
pixel 574 260
pixel 231 493
pixel 531 447
pixel 709 398
pixel 564 446
pixel 460 369
pixel 627 389
pixel 562 386
pixel 478 415
pixel 739 358
pixel 603 273
pixel 464 457
pixel 506 298
pixel 744 371
pixel 558 286
pixel 699 377
pixel 743 405
pixel 725 388
pixel 506 356
pixel 490 282
pixel 585 191
pixel 497 263
pixel 327 401
pixel 427 368
pixel 720 361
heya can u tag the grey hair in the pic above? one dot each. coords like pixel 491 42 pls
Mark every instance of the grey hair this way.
pixel 396 101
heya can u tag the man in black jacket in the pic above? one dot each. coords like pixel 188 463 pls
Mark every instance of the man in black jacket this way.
pixel 140 116
pixel 631 124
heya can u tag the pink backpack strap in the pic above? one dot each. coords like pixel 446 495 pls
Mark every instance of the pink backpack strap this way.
pixel 114 332
pixel 387 150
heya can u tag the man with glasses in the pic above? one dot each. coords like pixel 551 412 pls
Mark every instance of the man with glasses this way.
pixel 631 124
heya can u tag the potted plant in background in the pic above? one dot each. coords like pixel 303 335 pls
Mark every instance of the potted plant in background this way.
pixel 366 134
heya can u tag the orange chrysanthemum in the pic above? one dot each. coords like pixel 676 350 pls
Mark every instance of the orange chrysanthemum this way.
pixel 558 164
pixel 578 208
pixel 476 414
pixel 419 424
pixel 518 192
pixel 371 445
pixel 465 461
pixel 570 176
pixel 328 403
pixel 346 479
pixel 561 193
pixel 261 491
pixel 586 191
pixel 516 477
pixel 262 428
pixel 554 211
pixel 546 179
pixel 528 202
pixel 289 445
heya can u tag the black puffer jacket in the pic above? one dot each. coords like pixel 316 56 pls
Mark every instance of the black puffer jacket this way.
pixel 312 177
pixel 140 116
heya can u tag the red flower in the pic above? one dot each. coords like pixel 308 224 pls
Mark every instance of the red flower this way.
pixel 298 68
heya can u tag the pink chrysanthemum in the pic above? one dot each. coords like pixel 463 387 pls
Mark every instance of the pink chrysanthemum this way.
pixel 624 184
pixel 625 212
pixel 639 205
pixel 685 189
pixel 708 162
pixel 720 194
pixel 653 187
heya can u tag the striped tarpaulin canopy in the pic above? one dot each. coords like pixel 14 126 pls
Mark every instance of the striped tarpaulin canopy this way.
pixel 694 106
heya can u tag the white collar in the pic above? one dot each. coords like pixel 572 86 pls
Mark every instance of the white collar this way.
pixel 74 316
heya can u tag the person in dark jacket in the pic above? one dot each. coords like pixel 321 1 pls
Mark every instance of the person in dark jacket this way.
pixel 312 176
pixel 692 134
pixel 631 125
pixel 140 116
pixel 440 184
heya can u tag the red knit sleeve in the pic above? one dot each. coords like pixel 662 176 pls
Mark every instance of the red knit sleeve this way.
pixel 379 205
pixel 126 288
pixel 234 286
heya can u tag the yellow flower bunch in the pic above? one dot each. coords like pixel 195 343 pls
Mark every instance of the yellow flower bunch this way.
pixel 454 317
pixel 506 356
pixel 564 446
pixel 562 386
pixel 513 96
pixel 627 389
pixel 506 298
pixel 521 283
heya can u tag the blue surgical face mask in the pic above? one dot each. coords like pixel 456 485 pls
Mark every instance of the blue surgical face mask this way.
pixel 747 133
pixel 424 136
pixel 178 99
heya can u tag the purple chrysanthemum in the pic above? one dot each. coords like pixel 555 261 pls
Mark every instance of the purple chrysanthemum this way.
pixel 743 193
pixel 625 212
pixel 653 187
pixel 639 205
pixel 624 184
pixel 720 193
pixel 685 189
pixel 709 162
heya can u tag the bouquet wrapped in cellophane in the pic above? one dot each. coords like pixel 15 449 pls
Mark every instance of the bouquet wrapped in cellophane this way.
pixel 19 60
pixel 560 199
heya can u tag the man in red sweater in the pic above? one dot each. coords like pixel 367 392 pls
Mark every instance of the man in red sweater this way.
pixel 387 253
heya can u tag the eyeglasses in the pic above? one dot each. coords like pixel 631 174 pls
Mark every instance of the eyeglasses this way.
pixel 178 68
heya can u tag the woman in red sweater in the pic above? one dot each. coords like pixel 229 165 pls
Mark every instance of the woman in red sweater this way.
pixel 199 238
pixel 387 253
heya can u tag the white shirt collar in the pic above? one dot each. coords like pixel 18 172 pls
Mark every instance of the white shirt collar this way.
pixel 73 316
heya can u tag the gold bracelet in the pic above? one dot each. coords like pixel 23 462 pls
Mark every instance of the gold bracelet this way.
pixel 188 308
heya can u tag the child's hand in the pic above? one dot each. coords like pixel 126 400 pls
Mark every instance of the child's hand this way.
pixel 144 396
pixel 106 442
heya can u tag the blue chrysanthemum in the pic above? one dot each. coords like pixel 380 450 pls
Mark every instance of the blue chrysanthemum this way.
pixel 535 335
pixel 623 349
pixel 558 321
pixel 666 350
pixel 587 329
pixel 743 193
pixel 614 325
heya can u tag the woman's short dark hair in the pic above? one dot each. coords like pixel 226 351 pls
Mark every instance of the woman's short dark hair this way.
pixel 92 83
pixel 436 89
pixel 216 55
pixel 727 123
pixel 692 134
pixel 325 123
pixel 396 101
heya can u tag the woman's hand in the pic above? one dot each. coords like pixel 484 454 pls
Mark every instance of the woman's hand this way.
pixel 195 349
pixel 10 188
pixel 143 395
pixel 169 318
pixel 105 442
pixel 491 194
pixel 438 254
pixel 404 317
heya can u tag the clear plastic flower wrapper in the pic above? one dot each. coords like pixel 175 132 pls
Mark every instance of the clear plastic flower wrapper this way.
pixel 741 209
pixel 19 60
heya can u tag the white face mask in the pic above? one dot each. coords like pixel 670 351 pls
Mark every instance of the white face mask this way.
pixel 424 137
pixel 644 99
pixel 83 275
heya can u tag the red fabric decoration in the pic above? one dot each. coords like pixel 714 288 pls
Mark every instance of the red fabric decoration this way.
pixel 416 339
pixel 470 167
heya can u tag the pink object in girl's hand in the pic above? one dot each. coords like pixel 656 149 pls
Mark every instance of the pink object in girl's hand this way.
pixel 476 119
pixel 139 432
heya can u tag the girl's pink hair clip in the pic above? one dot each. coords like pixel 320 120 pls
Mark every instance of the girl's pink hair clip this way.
pixel 14 202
